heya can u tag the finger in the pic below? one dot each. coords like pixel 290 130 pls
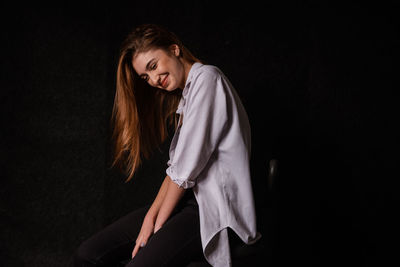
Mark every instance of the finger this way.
pixel 135 250
pixel 156 228
pixel 139 245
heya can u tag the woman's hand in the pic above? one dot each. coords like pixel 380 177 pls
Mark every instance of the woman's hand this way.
pixel 172 197
pixel 149 221
pixel 145 232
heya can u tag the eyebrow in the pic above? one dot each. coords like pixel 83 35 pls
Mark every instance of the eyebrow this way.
pixel 148 66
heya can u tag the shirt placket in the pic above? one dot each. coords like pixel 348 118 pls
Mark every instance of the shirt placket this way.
pixel 177 131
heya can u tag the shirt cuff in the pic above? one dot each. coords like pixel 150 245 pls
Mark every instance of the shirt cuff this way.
pixel 171 172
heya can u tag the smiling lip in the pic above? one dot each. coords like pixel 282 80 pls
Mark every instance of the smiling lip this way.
pixel 164 82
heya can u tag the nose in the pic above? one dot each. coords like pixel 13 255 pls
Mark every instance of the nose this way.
pixel 153 79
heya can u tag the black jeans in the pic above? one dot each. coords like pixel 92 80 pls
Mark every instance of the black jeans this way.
pixel 177 243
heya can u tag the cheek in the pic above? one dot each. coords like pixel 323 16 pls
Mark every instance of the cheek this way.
pixel 178 71
pixel 173 67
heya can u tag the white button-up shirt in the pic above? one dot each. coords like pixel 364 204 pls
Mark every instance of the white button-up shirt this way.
pixel 210 153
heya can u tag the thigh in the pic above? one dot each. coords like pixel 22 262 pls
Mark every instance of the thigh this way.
pixel 176 244
pixel 115 242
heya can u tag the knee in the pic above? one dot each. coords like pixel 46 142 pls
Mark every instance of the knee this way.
pixel 84 257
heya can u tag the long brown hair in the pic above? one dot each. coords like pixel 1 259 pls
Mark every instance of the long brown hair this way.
pixel 142 114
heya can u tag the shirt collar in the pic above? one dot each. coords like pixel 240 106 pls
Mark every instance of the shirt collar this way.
pixel 194 67
pixel 182 102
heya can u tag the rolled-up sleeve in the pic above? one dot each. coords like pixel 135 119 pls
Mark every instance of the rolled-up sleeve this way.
pixel 202 127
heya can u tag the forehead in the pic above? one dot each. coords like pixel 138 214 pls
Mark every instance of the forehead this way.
pixel 141 59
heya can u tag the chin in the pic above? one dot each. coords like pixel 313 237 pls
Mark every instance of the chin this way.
pixel 170 88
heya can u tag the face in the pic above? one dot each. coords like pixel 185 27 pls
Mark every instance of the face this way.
pixel 160 68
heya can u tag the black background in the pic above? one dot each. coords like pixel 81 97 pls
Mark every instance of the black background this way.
pixel 316 79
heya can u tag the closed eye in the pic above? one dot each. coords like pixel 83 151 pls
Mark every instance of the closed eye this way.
pixel 152 65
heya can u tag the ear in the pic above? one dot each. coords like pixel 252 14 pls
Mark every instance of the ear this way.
pixel 175 49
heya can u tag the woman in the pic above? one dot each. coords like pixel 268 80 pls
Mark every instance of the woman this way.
pixel 207 189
